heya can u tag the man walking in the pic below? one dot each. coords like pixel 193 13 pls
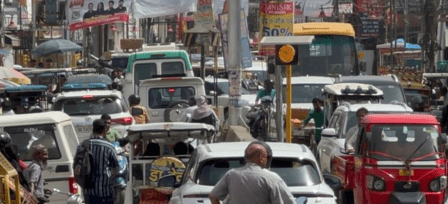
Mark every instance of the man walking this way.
pixel 105 165
pixel 33 173
pixel 251 183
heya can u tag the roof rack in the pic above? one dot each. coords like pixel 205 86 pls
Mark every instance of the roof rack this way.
pixel 359 90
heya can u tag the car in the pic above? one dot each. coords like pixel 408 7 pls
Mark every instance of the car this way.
pixel 344 117
pixel 85 106
pixel 55 131
pixel 161 95
pixel 294 163
pixel 260 68
pixel 390 85
pixel 222 91
pixel 304 90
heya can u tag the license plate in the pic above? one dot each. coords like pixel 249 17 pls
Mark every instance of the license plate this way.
pixel 404 172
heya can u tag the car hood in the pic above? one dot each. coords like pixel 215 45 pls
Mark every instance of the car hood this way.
pixel 322 194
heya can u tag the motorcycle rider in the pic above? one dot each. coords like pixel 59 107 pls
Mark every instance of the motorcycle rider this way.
pixel 134 101
pixel 268 91
pixel 318 115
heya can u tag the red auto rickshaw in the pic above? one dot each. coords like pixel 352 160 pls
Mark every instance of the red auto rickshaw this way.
pixel 398 158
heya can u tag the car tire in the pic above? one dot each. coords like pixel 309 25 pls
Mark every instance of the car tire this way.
pixel 180 104
pixel 346 197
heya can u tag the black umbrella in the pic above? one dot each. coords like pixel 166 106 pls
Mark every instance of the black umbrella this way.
pixel 54 47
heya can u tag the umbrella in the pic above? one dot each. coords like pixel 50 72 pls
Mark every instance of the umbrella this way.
pixel 14 76
pixel 55 46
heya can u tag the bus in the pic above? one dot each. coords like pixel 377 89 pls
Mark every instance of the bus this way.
pixel 332 52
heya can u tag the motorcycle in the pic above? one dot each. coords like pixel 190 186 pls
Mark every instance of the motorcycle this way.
pixel 120 180
pixel 71 198
pixel 260 118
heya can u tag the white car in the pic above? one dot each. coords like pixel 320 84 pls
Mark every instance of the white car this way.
pixel 344 117
pixel 84 107
pixel 222 91
pixel 293 162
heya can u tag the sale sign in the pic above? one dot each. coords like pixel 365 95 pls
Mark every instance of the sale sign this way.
pixel 276 19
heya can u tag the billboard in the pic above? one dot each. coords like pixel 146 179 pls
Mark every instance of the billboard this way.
pixel 89 13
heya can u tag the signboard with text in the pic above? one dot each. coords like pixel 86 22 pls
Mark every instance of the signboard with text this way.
pixel 89 13
pixel 370 27
pixel 373 8
pixel 204 14
pixel 276 19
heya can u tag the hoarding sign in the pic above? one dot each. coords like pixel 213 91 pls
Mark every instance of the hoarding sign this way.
pixel 276 19
pixel 158 8
pixel 89 13
pixel 204 14
pixel 370 27
pixel 246 58
pixel 373 8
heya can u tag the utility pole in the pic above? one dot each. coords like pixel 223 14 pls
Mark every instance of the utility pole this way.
pixel 406 22
pixel 430 14
pixel 234 39
pixel 279 100
pixel 2 24
pixel 33 22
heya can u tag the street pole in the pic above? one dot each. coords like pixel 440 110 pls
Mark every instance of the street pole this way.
pixel 279 102
pixel 234 39
pixel 2 29
pixel 33 22
pixel 406 21
pixel 288 104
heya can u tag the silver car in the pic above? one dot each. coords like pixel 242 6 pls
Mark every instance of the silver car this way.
pixel 84 107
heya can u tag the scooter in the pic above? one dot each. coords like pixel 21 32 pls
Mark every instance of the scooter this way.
pixel 71 198
pixel 120 180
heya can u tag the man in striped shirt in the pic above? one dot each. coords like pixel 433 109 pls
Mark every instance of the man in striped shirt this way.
pixel 105 164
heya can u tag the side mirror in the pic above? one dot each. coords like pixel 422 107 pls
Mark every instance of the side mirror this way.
pixel 167 181
pixel 363 66
pixel 443 138
pixel 329 132
pixel 136 111
pixel 333 181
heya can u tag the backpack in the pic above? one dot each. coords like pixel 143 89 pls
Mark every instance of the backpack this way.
pixel 82 165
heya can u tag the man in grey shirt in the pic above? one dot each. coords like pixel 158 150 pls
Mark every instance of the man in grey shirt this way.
pixel 251 183
pixel 352 133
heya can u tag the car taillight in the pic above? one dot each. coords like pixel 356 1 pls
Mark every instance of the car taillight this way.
pixel 72 185
pixel 124 121
pixel 87 97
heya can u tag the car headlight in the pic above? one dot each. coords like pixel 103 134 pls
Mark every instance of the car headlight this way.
pixel 375 183
pixel 438 184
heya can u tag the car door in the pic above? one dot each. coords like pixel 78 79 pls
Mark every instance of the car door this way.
pixel 326 145
pixel 360 150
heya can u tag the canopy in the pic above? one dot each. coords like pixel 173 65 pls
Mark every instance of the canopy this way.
pixel 14 76
pixel 400 44
pixel 55 46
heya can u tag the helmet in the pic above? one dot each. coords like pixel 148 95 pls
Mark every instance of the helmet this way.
pixel 5 139
pixel 417 103
pixel 134 99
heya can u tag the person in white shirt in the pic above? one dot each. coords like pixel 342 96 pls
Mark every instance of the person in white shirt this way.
pixel 350 138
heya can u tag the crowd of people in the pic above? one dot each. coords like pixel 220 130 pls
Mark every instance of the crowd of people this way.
pixel 100 10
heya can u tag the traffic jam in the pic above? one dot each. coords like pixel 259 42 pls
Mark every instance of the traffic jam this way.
pixel 300 116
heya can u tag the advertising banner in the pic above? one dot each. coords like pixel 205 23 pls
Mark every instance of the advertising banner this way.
pixel 89 13
pixel 204 14
pixel 276 19
pixel 370 27
pixel 374 8
pixel 158 8
pixel 246 58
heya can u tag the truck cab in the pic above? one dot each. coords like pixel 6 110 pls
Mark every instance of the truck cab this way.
pixel 398 158
pixel 151 64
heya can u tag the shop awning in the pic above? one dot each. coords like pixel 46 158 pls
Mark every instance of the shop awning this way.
pixel 12 40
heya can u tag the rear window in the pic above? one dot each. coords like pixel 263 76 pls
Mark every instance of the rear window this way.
pixel 144 71
pixel 25 137
pixel 169 68
pixel 163 97
pixel 94 106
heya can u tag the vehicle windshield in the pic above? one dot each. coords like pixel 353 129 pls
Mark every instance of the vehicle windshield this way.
pixel 291 170
pixel 91 106
pixel 391 93
pixel 352 120
pixel 387 139
pixel 26 137
pixel 327 55
pixel 120 62
pixel 224 87
pixel 144 71
pixel 164 97
pixel 304 93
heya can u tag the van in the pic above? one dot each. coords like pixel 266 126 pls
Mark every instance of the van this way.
pixel 149 64
pixel 55 131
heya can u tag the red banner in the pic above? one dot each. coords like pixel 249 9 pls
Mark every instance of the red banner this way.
pixel 123 17
pixel 374 8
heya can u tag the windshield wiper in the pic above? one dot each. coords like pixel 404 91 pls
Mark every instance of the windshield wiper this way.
pixel 408 160
pixel 80 113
